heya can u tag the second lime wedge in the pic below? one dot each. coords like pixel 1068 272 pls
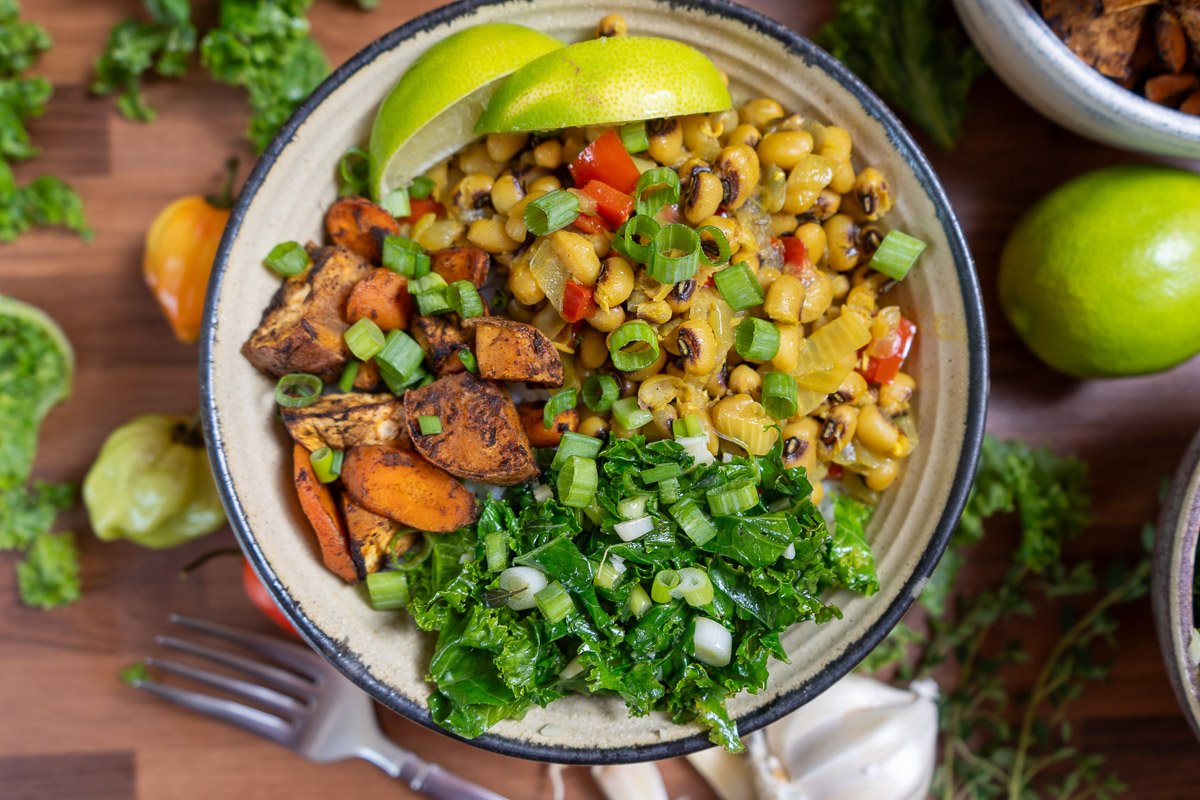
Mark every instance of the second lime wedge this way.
pixel 606 81
pixel 431 112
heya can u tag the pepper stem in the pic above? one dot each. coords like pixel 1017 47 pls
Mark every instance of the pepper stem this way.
pixel 225 199
pixel 200 561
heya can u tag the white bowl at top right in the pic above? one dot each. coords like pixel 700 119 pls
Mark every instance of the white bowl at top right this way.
pixel 1028 56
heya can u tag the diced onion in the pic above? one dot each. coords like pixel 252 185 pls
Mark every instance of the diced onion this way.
pixel 542 492
pixel 522 583
pixel 632 508
pixel 632 529
pixel 712 643
pixel 573 668
pixel 790 552
pixel 697 448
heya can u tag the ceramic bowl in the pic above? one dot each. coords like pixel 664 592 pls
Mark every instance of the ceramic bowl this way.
pixel 1034 62
pixel 1174 573
pixel 285 198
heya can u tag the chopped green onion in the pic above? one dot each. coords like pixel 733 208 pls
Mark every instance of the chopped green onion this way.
pixel 638 602
pixel 464 299
pixel 600 392
pixel 695 524
pixel 661 473
pixel 468 360
pixel 632 529
pixel 633 507
pixel 349 375
pixel 577 482
pixel 687 426
pixel 739 287
pixel 499 301
pixel 522 585
pixel 421 187
pixel 405 257
pixel 656 188
pixel 634 137
pixel 694 587
pixel 665 266
pixel 288 259
pixel 669 491
pixel 400 361
pixel 433 302
pixel 629 414
pixel 298 389
pixel 608 574
pixel 633 346
pixel 554 602
pixel 495 547
pixel 897 254
pixel 559 402
pixel 733 498
pixel 756 339
pixel 326 463
pixel 551 212
pixel 429 425
pixel 665 582
pixel 423 379
pixel 396 203
pixel 354 169
pixel 364 339
pixel 388 590
pixel 712 642
pixel 719 243
pixel 625 240
pixel 431 282
pixel 779 394
pixel 575 444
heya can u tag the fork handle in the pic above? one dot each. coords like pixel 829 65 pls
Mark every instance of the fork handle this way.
pixel 423 777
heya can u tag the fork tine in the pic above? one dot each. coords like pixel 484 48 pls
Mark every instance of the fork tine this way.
pixel 298 658
pixel 276 701
pixel 274 677
pixel 252 719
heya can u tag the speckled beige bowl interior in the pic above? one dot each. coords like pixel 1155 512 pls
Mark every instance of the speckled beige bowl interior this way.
pixel 383 652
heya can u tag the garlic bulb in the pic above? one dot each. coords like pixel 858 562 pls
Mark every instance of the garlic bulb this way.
pixel 860 740
pixel 630 781
pixel 729 776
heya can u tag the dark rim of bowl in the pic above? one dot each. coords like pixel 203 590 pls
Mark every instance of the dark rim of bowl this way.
pixel 348 662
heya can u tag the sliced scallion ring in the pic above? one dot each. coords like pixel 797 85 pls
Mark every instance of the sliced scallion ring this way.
pixel 694 587
pixel 739 287
pixel 288 259
pixel 326 463
pixel 600 392
pixel 756 339
pixel 629 415
pixel 551 212
pixel 676 254
pixel 733 498
pixel 691 518
pixel 627 242
pixel 354 169
pixel 577 482
pixel 557 404
pixel 388 590
pixel 716 243
pixel 365 339
pixel 665 581
pixel 897 254
pixel 298 389
pixel 634 137
pixel 633 346
pixel 779 394
pixel 655 189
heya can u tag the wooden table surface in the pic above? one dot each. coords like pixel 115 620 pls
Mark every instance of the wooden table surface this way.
pixel 70 729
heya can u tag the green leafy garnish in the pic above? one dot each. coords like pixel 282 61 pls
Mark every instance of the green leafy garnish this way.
pixel 135 673
pixel 49 575
pixel 769 567
pixel 915 62
pixel 995 743
pixel 135 47
pixel 46 200
pixel 26 514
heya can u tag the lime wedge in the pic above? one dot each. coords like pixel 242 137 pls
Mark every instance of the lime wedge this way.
pixel 604 81
pixel 431 112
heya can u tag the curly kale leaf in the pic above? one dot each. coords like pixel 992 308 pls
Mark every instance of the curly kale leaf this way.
pixel 49 575
pixel 135 47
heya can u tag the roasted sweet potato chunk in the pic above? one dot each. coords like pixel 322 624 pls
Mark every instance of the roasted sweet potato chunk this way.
pixel 1105 41
pixel 508 350
pixel 302 329
pixel 532 421
pixel 402 486
pixel 1170 41
pixel 442 338
pixel 1169 89
pixel 383 298
pixel 481 439
pixel 361 226
pixel 319 506
pixel 462 264
pixel 342 421
pixel 367 379
pixel 370 536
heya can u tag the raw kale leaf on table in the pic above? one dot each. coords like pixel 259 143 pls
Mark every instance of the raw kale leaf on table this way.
pixel 491 662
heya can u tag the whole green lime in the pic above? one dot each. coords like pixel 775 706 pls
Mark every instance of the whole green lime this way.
pixel 1102 277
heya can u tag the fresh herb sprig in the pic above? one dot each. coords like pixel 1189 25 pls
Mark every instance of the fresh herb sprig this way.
pixel 992 747
pixel 135 47
pixel 906 54
pixel 46 200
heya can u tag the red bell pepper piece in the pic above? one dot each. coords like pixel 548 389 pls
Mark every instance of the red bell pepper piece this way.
pixel 578 302
pixel 589 224
pixel 606 160
pixel 419 208
pixel 261 598
pixel 615 207
pixel 835 472
pixel 795 256
pixel 883 369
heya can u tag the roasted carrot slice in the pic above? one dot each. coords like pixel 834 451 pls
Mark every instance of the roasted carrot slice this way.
pixel 532 420
pixel 400 485
pixel 462 264
pixel 319 506
pixel 361 226
pixel 383 298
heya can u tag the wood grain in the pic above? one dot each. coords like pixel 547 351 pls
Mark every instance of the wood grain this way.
pixel 72 730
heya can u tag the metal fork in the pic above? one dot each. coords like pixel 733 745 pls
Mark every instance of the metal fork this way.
pixel 312 708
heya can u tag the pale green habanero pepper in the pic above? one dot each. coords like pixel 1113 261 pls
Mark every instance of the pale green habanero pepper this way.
pixel 151 484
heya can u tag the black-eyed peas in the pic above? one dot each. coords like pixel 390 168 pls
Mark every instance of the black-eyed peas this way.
pixel 702 197
pixel 489 235
pixel 800 443
pixel 548 153
pixel 503 146
pixel 837 431
pixel 747 135
pixel 697 346
pixel 738 169
pixel 894 397
pixel 615 283
pixel 612 25
pixel 784 149
pixel 666 141
pixel 876 431
pixel 507 191
pixel 785 299
pixel 760 112
pixel 471 196
pixel 744 379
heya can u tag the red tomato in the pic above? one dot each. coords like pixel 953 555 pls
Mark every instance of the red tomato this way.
pixel 615 207
pixel 884 369
pixel 262 599
pixel 578 302
pixel 607 161
pixel 589 224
